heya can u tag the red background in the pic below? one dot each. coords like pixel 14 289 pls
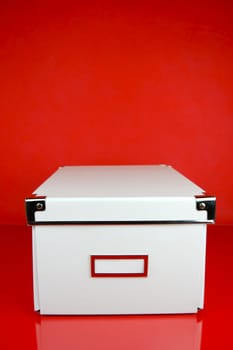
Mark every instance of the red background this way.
pixel 115 83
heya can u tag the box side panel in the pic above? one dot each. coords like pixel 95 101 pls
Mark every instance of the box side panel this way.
pixel 202 266
pixel 35 272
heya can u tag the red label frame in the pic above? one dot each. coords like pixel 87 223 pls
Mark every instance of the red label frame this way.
pixel 119 257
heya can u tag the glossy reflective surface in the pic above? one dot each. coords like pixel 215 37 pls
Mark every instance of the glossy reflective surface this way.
pixel 21 328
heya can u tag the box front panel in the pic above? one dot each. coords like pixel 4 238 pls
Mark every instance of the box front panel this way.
pixel 120 269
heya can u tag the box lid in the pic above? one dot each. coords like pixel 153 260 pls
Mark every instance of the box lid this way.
pixel 108 194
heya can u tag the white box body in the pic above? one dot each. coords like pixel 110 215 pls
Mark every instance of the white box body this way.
pixel 119 240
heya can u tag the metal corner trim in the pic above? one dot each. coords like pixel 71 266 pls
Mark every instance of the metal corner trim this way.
pixel 32 204
pixel 208 203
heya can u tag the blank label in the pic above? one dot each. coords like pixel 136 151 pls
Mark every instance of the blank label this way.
pixel 119 265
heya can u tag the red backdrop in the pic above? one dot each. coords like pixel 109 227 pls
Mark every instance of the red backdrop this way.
pixel 115 83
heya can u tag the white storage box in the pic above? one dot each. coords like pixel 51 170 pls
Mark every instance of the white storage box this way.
pixel 119 240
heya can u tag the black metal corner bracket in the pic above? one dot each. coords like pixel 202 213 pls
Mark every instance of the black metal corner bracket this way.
pixel 208 203
pixel 33 204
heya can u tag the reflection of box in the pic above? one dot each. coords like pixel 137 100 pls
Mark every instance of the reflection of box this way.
pixel 119 240
pixel 163 332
